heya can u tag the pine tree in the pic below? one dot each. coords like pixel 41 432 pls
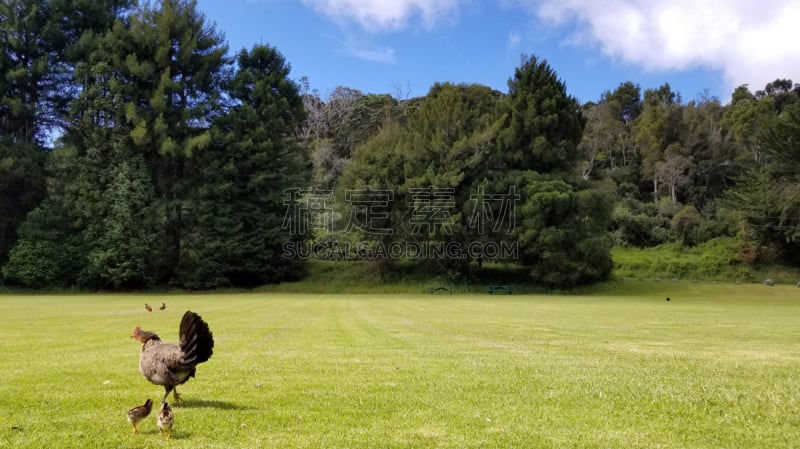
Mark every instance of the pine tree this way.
pixel 235 236
pixel 150 88
pixel 541 125
pixel 153 89
pixel 560 224
pixel 41 43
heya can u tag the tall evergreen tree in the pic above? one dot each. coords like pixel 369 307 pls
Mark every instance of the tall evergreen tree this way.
pixel 541 125
pixel 175 65
pixel 156 83
pixel 560 225
pixel 41 41
pixel 150 88
pixel 21 188
pixel 235 235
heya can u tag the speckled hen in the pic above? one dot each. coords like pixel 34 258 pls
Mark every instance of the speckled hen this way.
pixel 169 364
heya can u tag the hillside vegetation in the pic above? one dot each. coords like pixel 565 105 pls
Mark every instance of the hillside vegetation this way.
pixel 137 151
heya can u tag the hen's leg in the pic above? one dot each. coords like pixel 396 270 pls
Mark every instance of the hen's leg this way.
pixel 168 390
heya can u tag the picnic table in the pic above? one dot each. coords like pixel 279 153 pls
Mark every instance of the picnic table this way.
pixel 498 288
pixel 439 288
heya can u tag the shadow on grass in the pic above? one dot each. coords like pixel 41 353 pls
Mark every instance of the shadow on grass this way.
pixel 202 403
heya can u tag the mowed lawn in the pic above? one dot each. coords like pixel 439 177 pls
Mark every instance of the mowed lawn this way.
pixel 716 367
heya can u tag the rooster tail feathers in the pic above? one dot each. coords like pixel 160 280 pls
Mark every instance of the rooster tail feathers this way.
pixel 197 342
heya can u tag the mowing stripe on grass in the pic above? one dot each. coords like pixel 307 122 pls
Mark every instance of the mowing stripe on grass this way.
pixel 715 367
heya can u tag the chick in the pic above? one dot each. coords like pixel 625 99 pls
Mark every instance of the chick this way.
pixel 137 414
pixel 147 306
pixel 165 420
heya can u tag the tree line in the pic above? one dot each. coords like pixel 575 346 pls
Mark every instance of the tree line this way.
pixel 636 168
pixel 172 154
pixel 136 150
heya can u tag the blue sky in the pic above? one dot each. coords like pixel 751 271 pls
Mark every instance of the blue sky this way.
pixel 402 47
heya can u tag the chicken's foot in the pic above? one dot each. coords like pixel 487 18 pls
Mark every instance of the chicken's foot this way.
pixel 174 395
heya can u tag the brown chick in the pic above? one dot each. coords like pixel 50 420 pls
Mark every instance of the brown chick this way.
pixel 165 420
pixel 137 414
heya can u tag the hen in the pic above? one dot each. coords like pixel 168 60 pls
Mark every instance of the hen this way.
pixel 169 364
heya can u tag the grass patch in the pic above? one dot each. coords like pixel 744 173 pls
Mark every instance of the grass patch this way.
pixel 715 367
pixel 717 259
pixel 366 276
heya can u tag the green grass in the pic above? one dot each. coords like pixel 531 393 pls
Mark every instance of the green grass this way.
pixel 716 367
pixel 365 276
pixel 717 259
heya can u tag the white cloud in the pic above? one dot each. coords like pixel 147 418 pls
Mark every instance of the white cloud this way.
pixel 514 40
pixel 379 15
pixel 748 41
pixel 369 52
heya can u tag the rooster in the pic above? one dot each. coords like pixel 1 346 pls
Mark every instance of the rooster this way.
pixel 148 308
pixel 169 364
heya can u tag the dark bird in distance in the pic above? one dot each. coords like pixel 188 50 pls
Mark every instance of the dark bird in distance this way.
pixel 163 306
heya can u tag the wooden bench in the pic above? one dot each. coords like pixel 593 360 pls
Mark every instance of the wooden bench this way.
pixel 501 288
pixel 439 288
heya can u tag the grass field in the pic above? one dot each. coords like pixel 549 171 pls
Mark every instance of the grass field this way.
pixel 716 367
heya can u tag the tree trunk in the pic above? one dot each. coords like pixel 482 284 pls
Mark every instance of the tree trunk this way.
pixel 655 189
pixel 673 192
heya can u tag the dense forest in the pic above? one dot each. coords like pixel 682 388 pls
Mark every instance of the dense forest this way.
pixel 137 149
